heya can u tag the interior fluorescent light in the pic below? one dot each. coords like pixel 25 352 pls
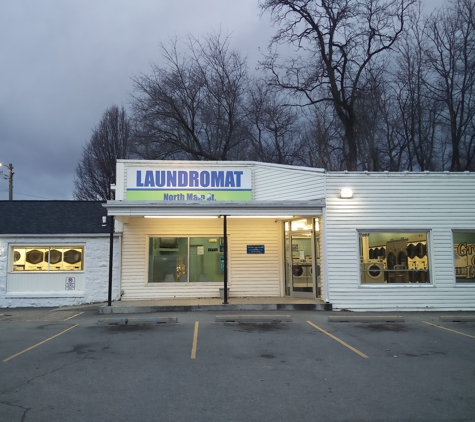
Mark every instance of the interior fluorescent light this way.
pixel 284 217
pixel 180 216
pixel 346 193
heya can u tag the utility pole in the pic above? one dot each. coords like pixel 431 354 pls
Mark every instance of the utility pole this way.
pixel 10 180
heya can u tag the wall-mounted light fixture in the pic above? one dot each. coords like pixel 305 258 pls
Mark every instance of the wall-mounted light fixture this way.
pixel 346 193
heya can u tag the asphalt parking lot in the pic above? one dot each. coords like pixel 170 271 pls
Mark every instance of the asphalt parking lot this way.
pixel 66 366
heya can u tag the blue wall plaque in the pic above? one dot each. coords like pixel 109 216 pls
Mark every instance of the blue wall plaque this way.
pixel 256 249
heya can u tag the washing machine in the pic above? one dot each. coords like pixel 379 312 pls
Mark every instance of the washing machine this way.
pixel 372 272
pixel 302 275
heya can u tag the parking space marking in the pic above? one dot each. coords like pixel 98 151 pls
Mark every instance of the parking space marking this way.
pixel 195 340
pixel 339 341
pixel 71 317
pixel 448 329
pixel 39 344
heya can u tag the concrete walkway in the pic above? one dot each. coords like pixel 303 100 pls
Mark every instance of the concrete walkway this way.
pixel 215 304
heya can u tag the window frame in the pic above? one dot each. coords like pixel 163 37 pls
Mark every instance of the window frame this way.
pixel 45 248
pixel 189 237
pixel 456 268
pixel 403 274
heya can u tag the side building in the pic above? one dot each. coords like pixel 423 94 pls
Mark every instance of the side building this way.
pixel 55 253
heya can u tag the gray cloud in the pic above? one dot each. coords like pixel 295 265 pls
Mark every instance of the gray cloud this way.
pixel 63 62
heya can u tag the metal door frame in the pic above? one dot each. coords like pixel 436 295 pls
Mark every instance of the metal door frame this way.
pixel 289 262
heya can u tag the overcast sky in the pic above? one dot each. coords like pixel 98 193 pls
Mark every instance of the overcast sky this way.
pixel 64 62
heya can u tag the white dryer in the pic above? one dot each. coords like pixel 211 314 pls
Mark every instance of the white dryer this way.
pixel 35 260
pixel 72 260
pixel 19 259
pixel 372 272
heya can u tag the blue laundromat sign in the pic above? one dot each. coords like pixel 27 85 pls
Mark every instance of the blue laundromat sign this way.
pixel 256 249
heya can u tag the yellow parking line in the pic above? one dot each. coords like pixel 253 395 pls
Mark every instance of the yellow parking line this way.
pixel 338 340
pixel 39 344
pixel 448 329
pixel 195 341
pixel 71 317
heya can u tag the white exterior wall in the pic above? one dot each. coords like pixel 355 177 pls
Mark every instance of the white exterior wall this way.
pixel 249 275
pixel 283 183
pixel 256 274
pixel 25 289
pixel 436 202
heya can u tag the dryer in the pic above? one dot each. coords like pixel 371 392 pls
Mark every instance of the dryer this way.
pixel 55 259
pixel 372 272
pixel 19 259
pixel 35 260
pixel 72 260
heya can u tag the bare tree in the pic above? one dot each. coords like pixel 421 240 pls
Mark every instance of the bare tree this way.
pixel 191 107
pixel 451 30
pixel 96 171
pixel 335 41
pixel 419 114
pixel 274 129
pixel 321 139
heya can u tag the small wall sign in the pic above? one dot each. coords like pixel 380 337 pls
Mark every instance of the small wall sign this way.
pixel 70 283
pixel 220 264
pixel 256 249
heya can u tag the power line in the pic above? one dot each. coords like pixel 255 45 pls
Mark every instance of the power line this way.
pixel 25 194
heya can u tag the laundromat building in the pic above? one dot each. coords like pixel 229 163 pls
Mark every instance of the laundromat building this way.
pixel 357 240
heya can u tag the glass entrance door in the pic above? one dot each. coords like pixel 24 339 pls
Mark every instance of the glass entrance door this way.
pixel 301 259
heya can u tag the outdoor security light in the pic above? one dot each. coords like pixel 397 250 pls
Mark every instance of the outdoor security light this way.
pixel 346 193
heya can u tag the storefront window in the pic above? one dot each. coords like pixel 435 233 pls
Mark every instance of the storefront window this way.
pixel 185 259
pixel 394 257
pixel 304 224
pixel 48 258
pixel 464 257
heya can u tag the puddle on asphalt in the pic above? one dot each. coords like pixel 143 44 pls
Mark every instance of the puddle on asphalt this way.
pixel 267 356
pixel 384 327
pixel 129 328
pixel 259 328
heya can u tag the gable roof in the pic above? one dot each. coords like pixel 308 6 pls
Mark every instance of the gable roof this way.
pixel 52 217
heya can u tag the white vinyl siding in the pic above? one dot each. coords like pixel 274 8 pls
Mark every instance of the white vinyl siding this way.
pixel 281 183
pixel 432 202
pixel 256 274
pixel 249 275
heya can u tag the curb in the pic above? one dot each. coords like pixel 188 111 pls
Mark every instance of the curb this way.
pixel 215 308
